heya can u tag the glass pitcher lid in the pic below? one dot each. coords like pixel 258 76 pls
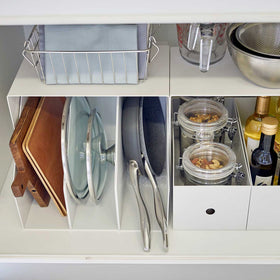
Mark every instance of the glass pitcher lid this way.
pixel 97 164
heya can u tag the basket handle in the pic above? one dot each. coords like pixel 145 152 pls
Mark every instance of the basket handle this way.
pixel 152 42
pixel 24 52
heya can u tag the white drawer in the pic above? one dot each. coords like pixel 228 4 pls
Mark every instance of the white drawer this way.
pixel 216 207
pixel 210 207
pixel 264 212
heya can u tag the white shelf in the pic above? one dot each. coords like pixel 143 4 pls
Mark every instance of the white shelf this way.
pixel 125 11
pixel 223 79
pixel 27 83
pixel 124 246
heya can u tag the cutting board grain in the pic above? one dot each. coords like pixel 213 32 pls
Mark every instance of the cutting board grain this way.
pixel 42 146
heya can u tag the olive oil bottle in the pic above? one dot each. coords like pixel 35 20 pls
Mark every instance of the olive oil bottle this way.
pixel 264 158
pixel 252 131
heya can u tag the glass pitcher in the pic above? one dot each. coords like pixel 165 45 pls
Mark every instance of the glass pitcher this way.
pixel 202 43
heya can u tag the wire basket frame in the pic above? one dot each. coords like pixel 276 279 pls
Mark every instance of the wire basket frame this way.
pixel 36 57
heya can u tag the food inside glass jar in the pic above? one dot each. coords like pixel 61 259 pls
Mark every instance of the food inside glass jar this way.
pixel 206 164
pixel 203 117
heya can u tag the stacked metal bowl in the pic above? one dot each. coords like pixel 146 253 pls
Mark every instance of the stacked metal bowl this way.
pixel 255 49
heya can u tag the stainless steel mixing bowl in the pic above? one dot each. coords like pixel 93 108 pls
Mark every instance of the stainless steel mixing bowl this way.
pixel 263 38
pixel 261 70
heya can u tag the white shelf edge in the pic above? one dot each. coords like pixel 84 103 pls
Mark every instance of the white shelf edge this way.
pixel 167 17
pixel 132 259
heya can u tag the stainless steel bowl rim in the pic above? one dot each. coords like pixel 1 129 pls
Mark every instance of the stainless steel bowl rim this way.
pixel 247 26
pixel 229 31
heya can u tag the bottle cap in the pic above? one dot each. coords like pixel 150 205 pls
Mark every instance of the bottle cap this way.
pixel 269 125
pixel 262 105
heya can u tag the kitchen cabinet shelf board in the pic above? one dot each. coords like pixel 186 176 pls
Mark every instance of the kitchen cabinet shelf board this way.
pixel 222 79
pixel 27 83
pixel 125 11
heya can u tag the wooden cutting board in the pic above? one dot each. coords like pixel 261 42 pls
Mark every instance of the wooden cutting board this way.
pixel 42 146
pixel 26 176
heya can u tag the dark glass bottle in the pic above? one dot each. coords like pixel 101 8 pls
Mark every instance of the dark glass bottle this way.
pixel 264 158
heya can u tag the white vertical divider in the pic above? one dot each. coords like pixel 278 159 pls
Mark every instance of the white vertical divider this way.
pixel 168 154
pixel 24 203
pixel 101 215
pixel 30 214
pixel 15 105
pixel 119 163
pixel 129 215
pixel 71 206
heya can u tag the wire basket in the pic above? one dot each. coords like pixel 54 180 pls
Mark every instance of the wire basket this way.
pixel 37 56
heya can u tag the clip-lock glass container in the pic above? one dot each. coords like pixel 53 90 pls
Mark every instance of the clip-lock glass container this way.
pixel 222 161
pixel 201 119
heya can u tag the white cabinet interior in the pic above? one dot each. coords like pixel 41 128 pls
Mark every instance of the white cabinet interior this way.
pixel 10 58
pixel 118 239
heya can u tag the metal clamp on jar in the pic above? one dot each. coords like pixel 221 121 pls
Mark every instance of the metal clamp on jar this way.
pixel 201 120
pixel 210 163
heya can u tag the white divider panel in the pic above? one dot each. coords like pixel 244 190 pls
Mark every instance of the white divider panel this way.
pixel 168 156
pixel 129 213
pixel 101 215
pixel 31 215
pixel 264 211
pixel 119 165
pixel 23 204
pixel 15 105
pixel 71 206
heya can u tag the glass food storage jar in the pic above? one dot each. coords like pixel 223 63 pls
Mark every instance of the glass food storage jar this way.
pixel 209 163
pixel 201 120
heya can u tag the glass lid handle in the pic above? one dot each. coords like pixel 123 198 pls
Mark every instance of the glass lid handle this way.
pixel 94 147
pixel 104 154
pixel 89 144
pixel 110 154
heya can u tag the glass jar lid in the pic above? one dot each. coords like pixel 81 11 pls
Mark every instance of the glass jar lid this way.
pixel 209 161
pixel 202 115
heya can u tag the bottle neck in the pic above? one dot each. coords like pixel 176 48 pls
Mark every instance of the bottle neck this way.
pixel 267 142
pixel 262 105
pixel 259 116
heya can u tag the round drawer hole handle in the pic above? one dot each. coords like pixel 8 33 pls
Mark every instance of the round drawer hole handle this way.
pixel 210 211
